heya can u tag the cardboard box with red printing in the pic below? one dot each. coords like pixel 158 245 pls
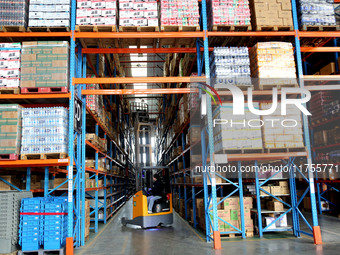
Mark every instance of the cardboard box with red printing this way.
pixel 138 13
pixel 96 12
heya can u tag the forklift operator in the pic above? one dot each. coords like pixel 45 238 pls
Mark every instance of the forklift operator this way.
pixel 156 192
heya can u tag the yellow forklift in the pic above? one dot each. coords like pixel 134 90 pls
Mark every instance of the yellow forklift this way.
pixel 162 212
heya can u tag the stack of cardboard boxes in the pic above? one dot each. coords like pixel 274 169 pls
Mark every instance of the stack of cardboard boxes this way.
pixel 273 63
pixel 10 65
pixel 87 218
pixel 233 132
pixel 179 13
pixel 45 64
pixel 138 13
pixel 229 211
pixel 223 12
pixel 92 12
pixel 277 135
pixel 10 130
pixel 55 13
pixel 271 13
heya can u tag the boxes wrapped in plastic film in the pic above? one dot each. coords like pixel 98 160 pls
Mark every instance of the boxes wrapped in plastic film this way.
pixel 10 128
pixel 45 130
pixel 45 64
pixel 10 65
pixel 14 13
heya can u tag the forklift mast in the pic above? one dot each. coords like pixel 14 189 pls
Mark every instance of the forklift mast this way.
pixel 143 134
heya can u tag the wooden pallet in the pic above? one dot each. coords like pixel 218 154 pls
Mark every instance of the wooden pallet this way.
pixel 242 87
pixel 12 253
pixel 231 28
pixel 248 234
pixel 44 90
pixel 274 28
pixel 319 28
pixel 48 29
pixel 11 156
pixel 8 90
pixel 94 28
pixel 12 29
pixel 60 251
pixel 43 156
pixel 276 150
pixel 259 86
pixel 241 151
pixel 170 28
pixel 138 29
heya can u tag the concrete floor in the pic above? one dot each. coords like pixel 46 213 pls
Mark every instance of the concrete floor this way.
pixel 181 238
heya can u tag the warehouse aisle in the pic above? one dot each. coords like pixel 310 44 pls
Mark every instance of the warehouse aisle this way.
pixel 113 238
pixel 116 239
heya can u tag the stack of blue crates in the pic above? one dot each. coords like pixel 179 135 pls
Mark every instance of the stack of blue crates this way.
pixel 55 226
pixel 9 219
pixel 43 231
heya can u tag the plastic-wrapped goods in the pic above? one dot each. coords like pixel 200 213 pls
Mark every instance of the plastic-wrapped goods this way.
pixel 53 13
pixel 237 133
pixel 96 12
pixel 273 63
pixel 13 13
pixel 316 13
pixel 45 64
pixel 95 102
pixel 222 12
pixel 179 13
pixel 231 64
pixel 10 65
pixel 138 13
pixel 44 130
pixel 10 128
pixel 277 135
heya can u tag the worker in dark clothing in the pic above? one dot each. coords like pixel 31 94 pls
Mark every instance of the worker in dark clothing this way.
pixel 156 192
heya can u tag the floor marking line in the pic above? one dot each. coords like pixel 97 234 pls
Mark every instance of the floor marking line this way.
pixel 124 245
pixel 99 233
pixel 190 228
pixel 330 232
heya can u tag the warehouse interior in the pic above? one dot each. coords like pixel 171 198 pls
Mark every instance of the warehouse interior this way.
pixel 165 127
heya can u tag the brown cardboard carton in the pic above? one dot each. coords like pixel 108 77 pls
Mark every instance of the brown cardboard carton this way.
pixel 274 206
pixel 231 203
pixel 266 188
pixel 275 190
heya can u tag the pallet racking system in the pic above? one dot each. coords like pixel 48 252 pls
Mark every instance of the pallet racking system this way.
pixel 77 81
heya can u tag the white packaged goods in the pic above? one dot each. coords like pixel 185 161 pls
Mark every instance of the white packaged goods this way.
pixel 223 12
pixel 44 130
pixel 10 54
pixel 282 131
pixel 179 13
pixel 138 13
pixel 231 64
pixel 316 12
pixel 236 131
pixel 49 14
pixel 96 12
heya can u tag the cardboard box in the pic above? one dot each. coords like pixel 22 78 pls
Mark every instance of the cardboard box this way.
pixel 275 206
pixel 328 69
pixel 275 190
pixel 231 203
pixel 266 188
